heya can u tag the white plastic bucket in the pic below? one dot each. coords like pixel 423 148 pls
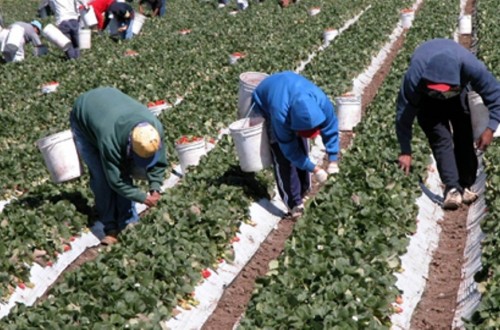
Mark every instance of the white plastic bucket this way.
pixel 15 39
pixel 3 35
pixel 61 157
pixel 248 82
pixel 329 35
pixel 252 143
pixel 479 115
pixel 465 24
pixel 407 17
pixel 191 153
pixel 348 111
pixel 54 35
pixel 89 17
pixel 85 37
pixel 139 20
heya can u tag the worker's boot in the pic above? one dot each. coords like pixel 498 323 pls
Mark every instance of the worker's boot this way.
pixel 452 199
pixel 469 197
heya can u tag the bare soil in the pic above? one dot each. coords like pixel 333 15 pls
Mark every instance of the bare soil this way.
pixel 436 308
pixel 234 301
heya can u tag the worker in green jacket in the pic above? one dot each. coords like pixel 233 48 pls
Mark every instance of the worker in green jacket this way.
pixel 120 140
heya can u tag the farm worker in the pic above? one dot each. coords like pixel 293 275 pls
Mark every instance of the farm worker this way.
pixel 434 90
pixel 123 14
pixel 119 139
pixel 100 7
pixel 67 15
pixel 154 5
pixel 295 109
pixel 15 53
pixel 44 9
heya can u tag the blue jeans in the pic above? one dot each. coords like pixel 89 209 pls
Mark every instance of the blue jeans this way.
pixel 163 8
pixel 114 211
pixel 127 34
pixel 70 29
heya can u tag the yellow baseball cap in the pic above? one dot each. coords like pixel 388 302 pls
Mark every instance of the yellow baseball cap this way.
pixel 146 142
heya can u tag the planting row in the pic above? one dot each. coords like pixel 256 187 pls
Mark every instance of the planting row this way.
pixel 488 314
pixel 337 270
pixel 207 108
pixel 205 210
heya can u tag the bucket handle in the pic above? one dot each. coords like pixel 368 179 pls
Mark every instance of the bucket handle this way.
pixel 247 115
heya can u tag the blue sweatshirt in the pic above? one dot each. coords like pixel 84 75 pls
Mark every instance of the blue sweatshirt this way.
pixel 291 103
pixel 443 61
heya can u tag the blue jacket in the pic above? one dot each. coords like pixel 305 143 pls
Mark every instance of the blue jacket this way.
pixel 443 61
pixel 291 103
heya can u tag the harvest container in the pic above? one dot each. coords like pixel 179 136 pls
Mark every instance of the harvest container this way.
pixel 139 20
pixel 14 39
pixel 60 156
pixel 54 35
pixel 407 16
pixel 465 24
pixel 190 151
pixel 88 17
pixel 85 36
pixel 248 82
pixel 252 143
pixel 348 111
pixel 329 34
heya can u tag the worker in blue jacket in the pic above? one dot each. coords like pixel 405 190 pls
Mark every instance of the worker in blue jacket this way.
pixel 295 109
pixel 434 90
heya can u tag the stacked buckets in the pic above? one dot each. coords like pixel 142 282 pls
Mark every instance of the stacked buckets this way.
pixel 249 132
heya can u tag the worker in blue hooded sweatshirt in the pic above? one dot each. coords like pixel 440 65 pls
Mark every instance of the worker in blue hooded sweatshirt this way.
pixel 295 109
pixel 434 90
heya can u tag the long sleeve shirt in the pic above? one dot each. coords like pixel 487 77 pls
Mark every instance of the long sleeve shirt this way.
pixel 65 10
pixel 443 61
pixel 291 103
pixel 107 117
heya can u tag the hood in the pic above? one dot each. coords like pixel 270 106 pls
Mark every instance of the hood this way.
pixel 443 68
pixel 305 113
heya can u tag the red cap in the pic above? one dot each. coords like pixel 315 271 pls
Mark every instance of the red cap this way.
pixel 439 87
pixel 310 133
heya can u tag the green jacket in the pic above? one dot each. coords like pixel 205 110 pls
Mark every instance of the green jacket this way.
pixel 107 116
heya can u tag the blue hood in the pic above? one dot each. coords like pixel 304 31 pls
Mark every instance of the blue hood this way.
pixel 305 113
pixel 443 68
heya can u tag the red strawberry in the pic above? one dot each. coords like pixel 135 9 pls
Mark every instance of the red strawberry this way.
pixel 21 285
pixel 205 273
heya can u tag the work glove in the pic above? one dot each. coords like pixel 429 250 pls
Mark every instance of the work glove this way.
pixel 321 175
pixel 333 168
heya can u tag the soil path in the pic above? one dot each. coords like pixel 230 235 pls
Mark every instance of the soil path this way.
pixel 436 308
pixel 234 301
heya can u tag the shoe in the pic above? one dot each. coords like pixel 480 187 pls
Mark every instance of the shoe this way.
pixel 297 211
pixel 110 239
pixel 469 197
pixel 452 200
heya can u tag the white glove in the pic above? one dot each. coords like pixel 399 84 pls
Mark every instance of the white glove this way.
pixel 333 168
pixel 321 176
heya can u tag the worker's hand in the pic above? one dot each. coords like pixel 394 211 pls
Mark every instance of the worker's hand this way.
pixel 333 168
pixel 320 174
pixel 485 139
pixel 123 28
pixel 405 163
pixel 152 199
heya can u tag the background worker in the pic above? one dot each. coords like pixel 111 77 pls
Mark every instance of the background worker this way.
pixel 15 53
pixel 100 7
pixel 434 90
pixel 67 14
pixel 123 14
pixel 295 109
pixel 154 5
pixel 119 139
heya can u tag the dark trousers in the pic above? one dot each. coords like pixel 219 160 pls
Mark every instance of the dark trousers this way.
pixel 70 29
pixel 447 125
pixel 293 183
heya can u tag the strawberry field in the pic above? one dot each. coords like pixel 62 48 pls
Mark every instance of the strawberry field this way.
pixel 338 268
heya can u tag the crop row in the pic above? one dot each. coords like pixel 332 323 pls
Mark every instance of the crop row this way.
pixel 337 269
pixel 158 265
pixel 488 314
